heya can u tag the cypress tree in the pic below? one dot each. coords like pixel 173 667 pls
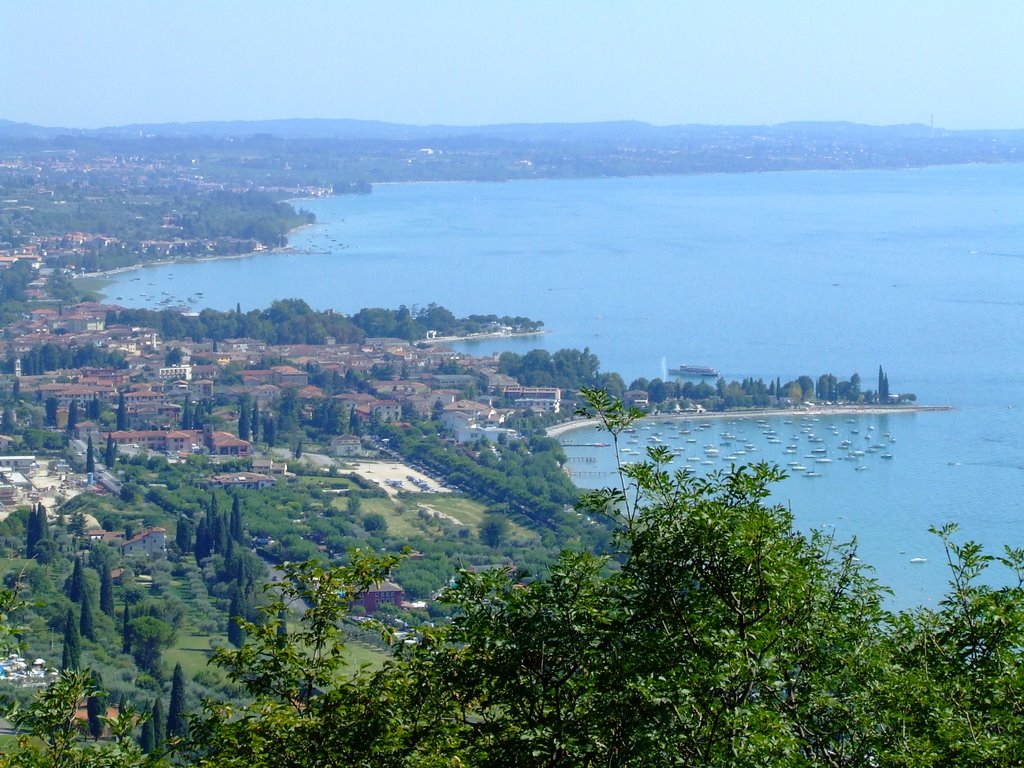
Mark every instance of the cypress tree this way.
pixel 236 520
pixel 94 708
pixel 244 423
pixel 90 458
pixel 110 454
pixel 183 535
pixel 74 587
pixel 106 591
pixel 86 625
pixel 254 421
pixel 177 725
pixel 203 546
pixel 71 658
pixel 147 742
pixel 122 413
pixel 235 634
pixel 159 720
pixel 126 630
pixel 72 416
pixel 33 532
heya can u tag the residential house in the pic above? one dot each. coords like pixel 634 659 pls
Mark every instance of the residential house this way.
pixel 250 480
pixel 346 445
pixel 149 542
pixel 379 594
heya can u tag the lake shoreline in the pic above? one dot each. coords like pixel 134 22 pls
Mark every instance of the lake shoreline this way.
pixel 558 430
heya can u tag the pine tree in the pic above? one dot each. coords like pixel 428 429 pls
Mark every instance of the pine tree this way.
pixel 71 658
pixel 86 624
pixel 254 421
pixel 106 591
pixel 186 414
pixel 74 587
pixel 177 725
pixel 7 421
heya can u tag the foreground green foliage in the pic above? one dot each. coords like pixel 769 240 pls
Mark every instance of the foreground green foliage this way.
pixel 712 635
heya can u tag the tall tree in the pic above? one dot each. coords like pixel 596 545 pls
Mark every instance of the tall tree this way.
pixel 254 421
pixel 126 629
pixel 235 634
pixel 244 428
pixel 159 722
pixel 106 590
pixel 147 741
pixel 71 657
pixel 110 454
pixel 50 407
pixel 122 413
pixel 34 527
pixel 72 416
pixel 95 709
pixel 86 623
pixel 177 724
pixel 90 458
pixel 74 587
pixel 183 535
pixel 237 532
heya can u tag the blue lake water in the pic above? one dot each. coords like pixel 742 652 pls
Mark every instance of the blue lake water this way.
pixel 764 275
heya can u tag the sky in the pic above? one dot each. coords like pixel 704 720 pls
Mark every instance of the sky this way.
pixel 94 63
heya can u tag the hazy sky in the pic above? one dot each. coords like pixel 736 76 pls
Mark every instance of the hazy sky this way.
pixel 91 63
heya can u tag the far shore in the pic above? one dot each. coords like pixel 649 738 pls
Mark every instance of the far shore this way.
pixel 815 410
pixel 108 273
pixel 479 337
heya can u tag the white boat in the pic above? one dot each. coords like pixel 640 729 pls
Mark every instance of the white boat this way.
pixel 918 560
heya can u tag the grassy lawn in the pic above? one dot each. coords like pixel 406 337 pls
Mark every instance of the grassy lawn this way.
pixel 192 650
pixel 466 511
pixel 399 523
pixel 358 654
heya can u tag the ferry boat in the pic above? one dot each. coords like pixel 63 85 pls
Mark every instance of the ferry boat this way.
pixel 693 370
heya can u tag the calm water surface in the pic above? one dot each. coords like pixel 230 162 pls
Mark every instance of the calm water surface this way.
pixel 921 271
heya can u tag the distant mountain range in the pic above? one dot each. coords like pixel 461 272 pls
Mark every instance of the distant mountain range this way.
pixel 604 132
